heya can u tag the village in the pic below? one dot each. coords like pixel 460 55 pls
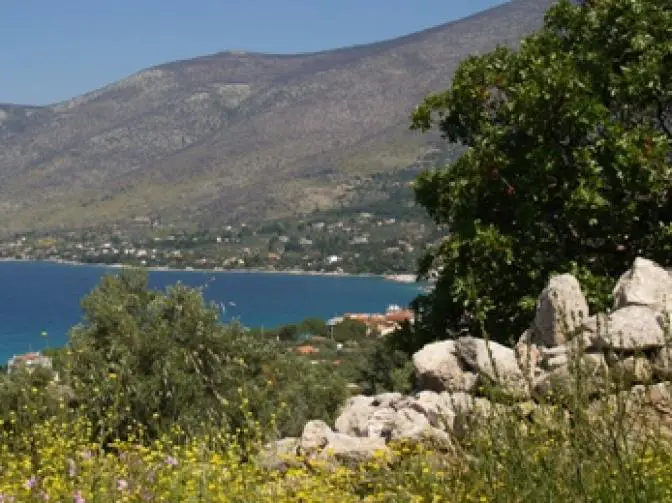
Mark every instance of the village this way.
pixel 363 243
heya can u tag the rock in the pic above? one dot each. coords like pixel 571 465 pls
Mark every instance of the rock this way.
pixel 437 408
pixel 473 414
pixel 661 363
pixel 438 368
pixel 388 400
pixel 585 341
pixel 353 450
pixel 659 394
pixel 315 436
pixel 280 455
pixel 561 356
pixel 631 329
pixel 559 384
pixel 594 361
pixel 318 441
pixel 632 370
pixel 354 417
pixel 561 308
pixel 528 354
pixel 645 284
pixel 561 360
pixel 461 402
pixel 391 416
pixel 496 363
pixel 382 423
pixel 413 425
pixel 548 353
pixel 406 423
pixel 640 413
pixel 594 324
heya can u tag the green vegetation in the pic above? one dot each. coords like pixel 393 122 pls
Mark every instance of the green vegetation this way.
pixel 566 168
pixel 378 229
pixel 155 361
pixel 56 446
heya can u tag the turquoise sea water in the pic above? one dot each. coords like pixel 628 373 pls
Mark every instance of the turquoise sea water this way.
pixel 37 297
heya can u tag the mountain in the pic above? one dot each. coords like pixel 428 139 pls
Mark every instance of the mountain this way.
pixel 235 135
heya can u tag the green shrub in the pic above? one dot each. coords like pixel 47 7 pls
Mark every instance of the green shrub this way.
pixel 146 354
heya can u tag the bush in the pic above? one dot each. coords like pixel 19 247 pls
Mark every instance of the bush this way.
pixel 523 455
pixel 350 330
pixel 386 367
pixel 140 355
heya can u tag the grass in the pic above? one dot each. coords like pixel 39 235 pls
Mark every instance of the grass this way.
pixel 571 447
pixel 552 454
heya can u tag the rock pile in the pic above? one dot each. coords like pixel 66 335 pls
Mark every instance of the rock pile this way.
pixel 624 351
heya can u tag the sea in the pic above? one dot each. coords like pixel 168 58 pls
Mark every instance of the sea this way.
pixel 40 301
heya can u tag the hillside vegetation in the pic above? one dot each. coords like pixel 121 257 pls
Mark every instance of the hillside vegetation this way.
pixel 234 135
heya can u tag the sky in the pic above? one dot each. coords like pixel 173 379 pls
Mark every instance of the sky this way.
pixel 55 50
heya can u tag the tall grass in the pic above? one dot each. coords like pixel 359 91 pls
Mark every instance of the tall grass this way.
pixel 612 449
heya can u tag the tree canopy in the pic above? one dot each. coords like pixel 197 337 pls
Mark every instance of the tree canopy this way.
pixel 567 166
pixel 163 359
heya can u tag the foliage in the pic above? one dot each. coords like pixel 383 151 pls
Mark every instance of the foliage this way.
pixel 607 449
pixel 294 331
pixel 350 330
pixel 146 355
pixel 540 453
pixel 387 366
pixel 567 167
pixel 288 332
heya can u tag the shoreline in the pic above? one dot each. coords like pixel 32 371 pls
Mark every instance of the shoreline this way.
pixel 407 278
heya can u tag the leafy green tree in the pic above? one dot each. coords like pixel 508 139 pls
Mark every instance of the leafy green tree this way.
pixel 159 360
pixel 288 332
pixel 566 168
pixel 386 365
pixel 314 326
pixel 349 330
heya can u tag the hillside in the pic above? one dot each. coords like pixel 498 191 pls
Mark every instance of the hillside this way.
pixel 234 135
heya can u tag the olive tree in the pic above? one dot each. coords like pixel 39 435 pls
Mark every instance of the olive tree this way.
pixel 159 360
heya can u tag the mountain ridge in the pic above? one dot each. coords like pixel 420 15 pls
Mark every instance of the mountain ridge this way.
pixel 234 135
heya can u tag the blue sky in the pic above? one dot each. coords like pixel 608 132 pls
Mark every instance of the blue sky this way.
pixel 53 50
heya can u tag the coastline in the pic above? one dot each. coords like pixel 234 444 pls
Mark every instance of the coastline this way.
pixel 407 278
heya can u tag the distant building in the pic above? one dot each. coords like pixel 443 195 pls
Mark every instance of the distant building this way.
pixel 30 361
pixel 307 350
pixel 382 324
pixel 359 240
pixel 396 314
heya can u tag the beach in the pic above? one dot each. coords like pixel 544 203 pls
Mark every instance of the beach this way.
pixel 400 278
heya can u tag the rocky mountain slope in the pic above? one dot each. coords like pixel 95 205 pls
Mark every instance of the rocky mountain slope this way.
pixel 234 135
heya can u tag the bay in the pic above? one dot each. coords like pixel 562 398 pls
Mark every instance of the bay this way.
pixel 37 297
